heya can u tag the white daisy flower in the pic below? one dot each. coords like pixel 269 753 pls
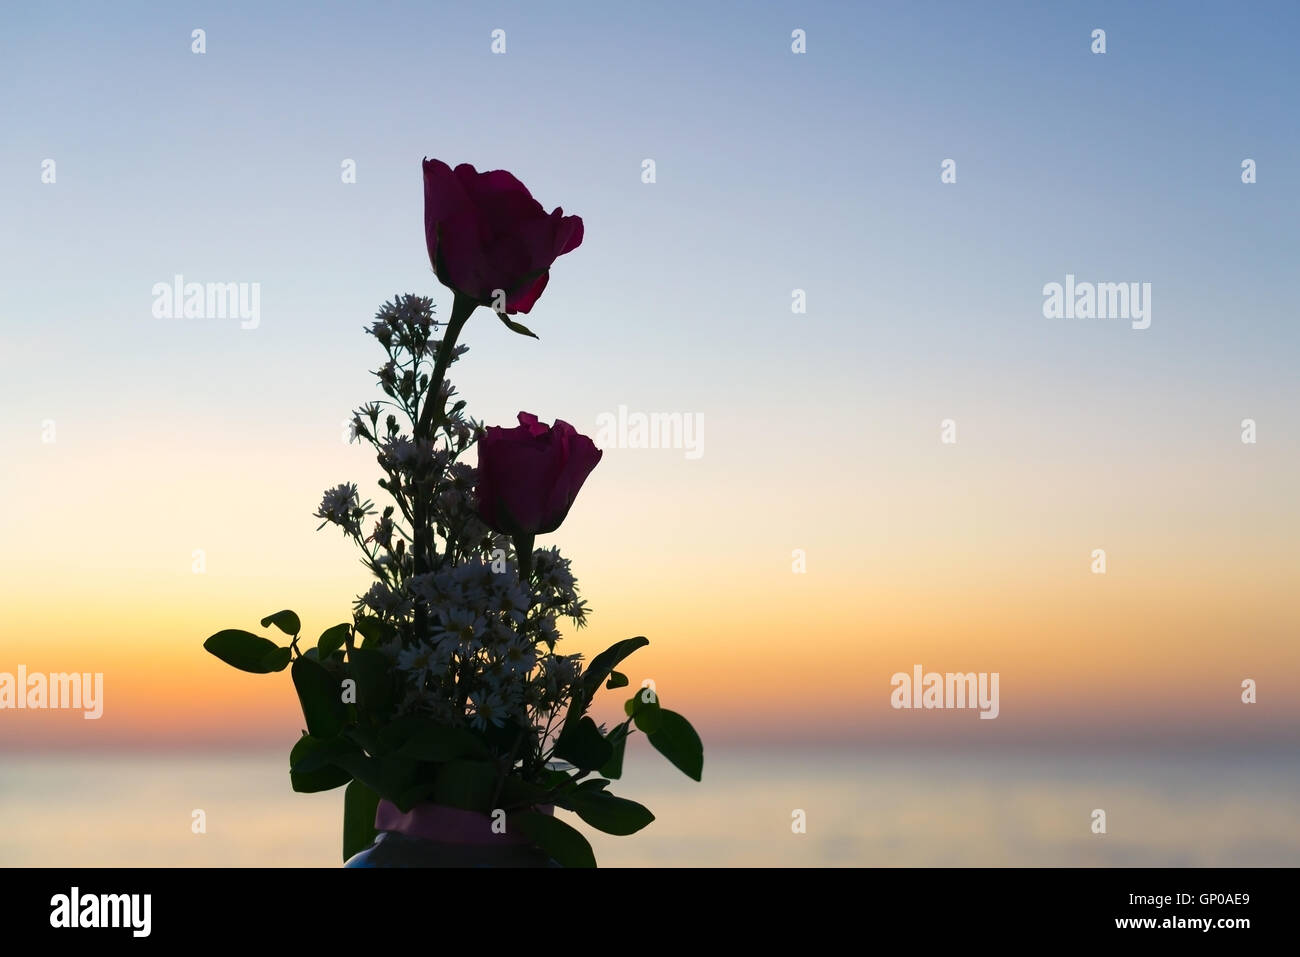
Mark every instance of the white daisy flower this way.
pixel 463 625
pixel 417 661
pixel 338 504
pixel 489 708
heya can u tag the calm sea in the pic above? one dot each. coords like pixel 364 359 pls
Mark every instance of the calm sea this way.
pixel 860 809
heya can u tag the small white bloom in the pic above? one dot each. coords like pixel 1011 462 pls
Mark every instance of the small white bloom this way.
pixel 520 657
pixel 510 600
pixel 462 625
pixel 489 708
pixel 546 631
pixel 400 451
pixel 338 504
pixel 384 600
pixel 418 661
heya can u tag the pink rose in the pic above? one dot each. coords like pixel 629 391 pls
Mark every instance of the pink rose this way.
pixel 486 232
pixel 529 476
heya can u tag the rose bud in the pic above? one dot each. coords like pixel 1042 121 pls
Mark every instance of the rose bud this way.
pixel 528 478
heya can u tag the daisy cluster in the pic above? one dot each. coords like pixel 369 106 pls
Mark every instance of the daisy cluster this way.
pixel 491 641
pixel 473 642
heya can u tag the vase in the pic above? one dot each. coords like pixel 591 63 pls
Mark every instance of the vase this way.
pixel 433 835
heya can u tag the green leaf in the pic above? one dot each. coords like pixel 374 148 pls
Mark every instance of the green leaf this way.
pixel 419 790
pixel 332 639
pixel 648 717
pixel 515 326
pixel 404 782
pixel 553 778
pixel 311 754
pixel 605 812
pixel 285 620
pixel 516 793
pixel 422 739
pixel 359 804
pixel 320 696
pixel 374 630
pixel 613 768
pixel 468 785
pixel 372 671
pixel 616 680
pixel 645 697
pixel 602 666
pixel 501 738
pixel 646 714
pixel 243 650
pixel 677 741
pixel 565 844
pixel 311 768
pixel 369 771
pixel 277 660
pixel 582 745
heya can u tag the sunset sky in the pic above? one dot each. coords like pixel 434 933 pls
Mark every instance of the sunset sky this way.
pixel 775 172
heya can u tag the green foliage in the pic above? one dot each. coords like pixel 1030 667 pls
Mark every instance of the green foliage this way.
pixel 513 326
pixel 278 659
pixel 321 698
pixel 643 708
pixel 359 804
pixel 332 639
pixel 422 739
pixel 413 758
pixel 285 620
pixel 582 745
pixel 602 666
pixel 677 741
pixel 518 793
pixel 613 768
pixel 469 785
pixel 311 765
pixel 374 631
pixel 248 652
pixel 605 812
pixel 372 671
pixel 565 844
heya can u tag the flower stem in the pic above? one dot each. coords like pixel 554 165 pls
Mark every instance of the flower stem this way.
pixel 524 554
pixel 425 428
pixel 434 406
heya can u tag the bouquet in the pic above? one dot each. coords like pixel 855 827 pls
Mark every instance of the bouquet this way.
pixel 449 688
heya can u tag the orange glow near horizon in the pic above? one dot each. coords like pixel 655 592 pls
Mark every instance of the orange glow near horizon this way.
pixel 975 574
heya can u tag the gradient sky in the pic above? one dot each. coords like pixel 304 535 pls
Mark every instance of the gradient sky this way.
pixel 775 171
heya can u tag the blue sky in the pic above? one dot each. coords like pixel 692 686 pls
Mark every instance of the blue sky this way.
pixel 775 171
